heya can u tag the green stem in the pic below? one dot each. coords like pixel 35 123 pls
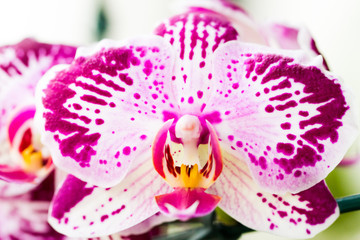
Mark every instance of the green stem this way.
pixel 349 203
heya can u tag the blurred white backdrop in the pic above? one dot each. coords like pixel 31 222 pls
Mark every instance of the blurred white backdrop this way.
pixel 334 24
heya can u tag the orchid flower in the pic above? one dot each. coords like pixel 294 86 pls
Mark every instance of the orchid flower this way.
pixel 25 216
pixel 24 162
pixel 202 114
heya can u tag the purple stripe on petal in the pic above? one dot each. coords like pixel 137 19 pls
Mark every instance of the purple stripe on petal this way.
pixel 71 193
pixel 97 109
pixel 290 116
pixel 300 215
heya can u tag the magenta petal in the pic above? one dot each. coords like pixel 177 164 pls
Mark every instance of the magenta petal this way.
pixel 194 37
pixel 248 30
pixel 289 119
pixel 21 67
pixel 289 37
pixel 15 175
pixel 300 215
pixel 187 203
pixel 80 209
pixel 103 110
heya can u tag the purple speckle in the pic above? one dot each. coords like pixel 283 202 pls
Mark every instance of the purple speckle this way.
pixel 126 150
pixel 117 211
pixel 191 100
pixel 304 113
pixel 137 96
pixel 104 217
pixel 272 226
pixel 272 206
pixel 291 137
pixel 297 173
pixel 77 106
pixel 282 214
pixel 235 86
pixel 239 144
pixel 262 163
pixel 285 148
pixel 99 121
pixel 269 109
pixel 285 126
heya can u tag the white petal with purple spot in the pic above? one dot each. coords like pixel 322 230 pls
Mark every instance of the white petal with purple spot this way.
pixel 108 111
pixel 289 119
pixel 301 215
pixel 95 211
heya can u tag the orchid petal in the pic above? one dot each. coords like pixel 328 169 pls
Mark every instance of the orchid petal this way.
pixel 352 156
pixel 194 37
pixel 278 113
pixel 248 30
pixel 16 175
pixel 21 67
pixel 95 211
pixel 17 182
pixel 300 215
pixel 25 216
pixel 288 37
pixel 23 219
pixel 108 109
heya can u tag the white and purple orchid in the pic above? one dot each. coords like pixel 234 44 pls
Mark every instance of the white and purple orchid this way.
pixel 24 162
pixel 199 115
pixel 25 216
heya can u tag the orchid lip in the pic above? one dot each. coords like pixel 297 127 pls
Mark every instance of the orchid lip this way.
pixel 189 167
pixel 187 164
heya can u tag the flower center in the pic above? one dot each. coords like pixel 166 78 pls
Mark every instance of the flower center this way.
pixel 33 159
pixel 21 140
pixel 187 155
pixel 184 162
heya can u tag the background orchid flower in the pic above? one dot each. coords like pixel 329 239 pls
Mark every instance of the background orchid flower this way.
pixel 25 216
pixel 23 161
pixel 249 128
